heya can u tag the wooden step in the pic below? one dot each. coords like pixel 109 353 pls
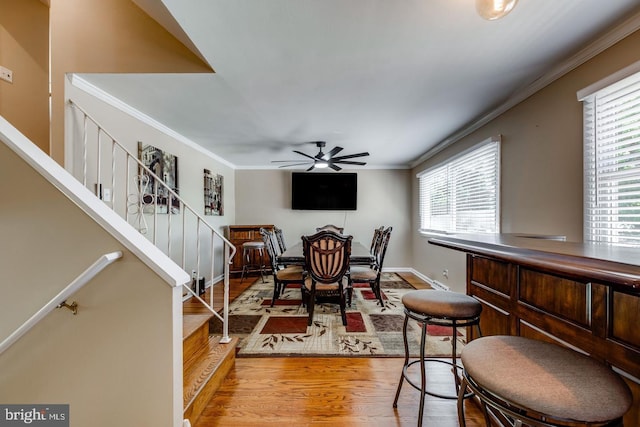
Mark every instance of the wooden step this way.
pixel 195 334
pixel 204 373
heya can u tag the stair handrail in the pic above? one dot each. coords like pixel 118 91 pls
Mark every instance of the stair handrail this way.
pixel 230 249
pixel 60 299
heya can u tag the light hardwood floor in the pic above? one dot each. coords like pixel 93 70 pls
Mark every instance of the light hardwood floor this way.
pixel 309 391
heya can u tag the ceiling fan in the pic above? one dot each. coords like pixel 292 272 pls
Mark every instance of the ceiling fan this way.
pixel 323 160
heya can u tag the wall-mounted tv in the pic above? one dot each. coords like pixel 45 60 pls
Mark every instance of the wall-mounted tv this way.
pixel 324 191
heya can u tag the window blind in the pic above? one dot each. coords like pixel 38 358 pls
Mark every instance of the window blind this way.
pixel 462 195
pixel 612 164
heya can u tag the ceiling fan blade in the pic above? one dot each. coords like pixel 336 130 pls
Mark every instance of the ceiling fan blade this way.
pixel 350 156
pixel 333 152
pixel 287 161
pixel 334 167
pixel 303 154
pixel 294 164
pixel 311 168
pixel 347 162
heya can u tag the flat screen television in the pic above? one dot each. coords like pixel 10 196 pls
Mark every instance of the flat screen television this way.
pixel 324 191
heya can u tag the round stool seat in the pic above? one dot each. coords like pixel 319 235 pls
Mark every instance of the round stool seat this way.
pixel 444 304
pixel 248 249
pixel 253 245
pixel 546 378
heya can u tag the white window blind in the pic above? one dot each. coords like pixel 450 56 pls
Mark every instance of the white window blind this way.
pixel 463 194
pixel 612 164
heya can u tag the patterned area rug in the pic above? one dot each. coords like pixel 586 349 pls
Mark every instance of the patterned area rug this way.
pixel 371 331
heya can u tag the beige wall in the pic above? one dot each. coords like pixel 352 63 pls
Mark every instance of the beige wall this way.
pixel 125 314
pixel 108 36
pixel 24 49
pixel 541 162
pixel 264 197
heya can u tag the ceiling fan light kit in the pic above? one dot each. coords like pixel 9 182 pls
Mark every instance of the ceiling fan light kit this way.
pixel 494 9
pixel 323 160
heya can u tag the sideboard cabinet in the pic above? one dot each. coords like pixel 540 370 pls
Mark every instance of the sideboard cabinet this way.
pixel 557 292
pixel 239 234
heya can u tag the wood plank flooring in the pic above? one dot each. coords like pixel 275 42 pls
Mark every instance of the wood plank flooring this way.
pixel 298 391
pixel 309 391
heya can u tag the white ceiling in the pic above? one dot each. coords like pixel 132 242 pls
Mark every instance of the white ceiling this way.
pixel 394 78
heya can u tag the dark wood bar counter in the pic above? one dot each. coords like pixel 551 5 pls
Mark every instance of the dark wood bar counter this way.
pixel 583 296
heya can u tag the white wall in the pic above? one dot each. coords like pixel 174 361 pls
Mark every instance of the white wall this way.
pixel 264 197
pixel 128 130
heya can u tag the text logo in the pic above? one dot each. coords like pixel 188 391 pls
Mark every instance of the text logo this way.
pixel 34 415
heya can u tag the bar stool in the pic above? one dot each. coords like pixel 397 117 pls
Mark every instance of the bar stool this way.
pixel 541 384
pixel 251 250
pixel 432 307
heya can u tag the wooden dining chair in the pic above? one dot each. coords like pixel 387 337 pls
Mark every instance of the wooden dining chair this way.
pixel 326 256
pixel 371 275
pixel 282 276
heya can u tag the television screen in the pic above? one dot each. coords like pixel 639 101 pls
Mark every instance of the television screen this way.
pixel 324 191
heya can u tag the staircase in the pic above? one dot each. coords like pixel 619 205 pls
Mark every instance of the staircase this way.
pixel 185 237
pixel 206 363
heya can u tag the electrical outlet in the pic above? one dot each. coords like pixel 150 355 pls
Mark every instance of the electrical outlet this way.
pixel 6 74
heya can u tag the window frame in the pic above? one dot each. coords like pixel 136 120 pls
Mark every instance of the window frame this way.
pixel 604 192
pixel 452 190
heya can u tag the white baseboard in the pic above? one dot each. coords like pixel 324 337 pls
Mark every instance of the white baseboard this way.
pixel 434 283
pixel 208 284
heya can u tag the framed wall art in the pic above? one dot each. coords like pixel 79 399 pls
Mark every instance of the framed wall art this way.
pixel 165 167
pixel 213 187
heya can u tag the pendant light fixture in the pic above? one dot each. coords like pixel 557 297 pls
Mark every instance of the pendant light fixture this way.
pixel 494 9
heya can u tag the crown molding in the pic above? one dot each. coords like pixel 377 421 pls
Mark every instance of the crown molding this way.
pixel 111 100
pixel 617 33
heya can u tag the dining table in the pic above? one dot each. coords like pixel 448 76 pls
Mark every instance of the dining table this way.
pixel 360 255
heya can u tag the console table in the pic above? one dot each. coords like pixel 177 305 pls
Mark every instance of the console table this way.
pixel 583 296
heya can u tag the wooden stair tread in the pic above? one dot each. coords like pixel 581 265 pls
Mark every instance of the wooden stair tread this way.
pixel 193 322
pixel 204 375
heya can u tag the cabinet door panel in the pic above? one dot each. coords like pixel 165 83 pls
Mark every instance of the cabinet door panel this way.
pixel 625 318
pixel 490 273
pixel 563 297
pixel 493 320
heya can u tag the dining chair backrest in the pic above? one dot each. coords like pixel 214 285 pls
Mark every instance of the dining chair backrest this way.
pixel 268 239
pixel 382 248
pixel 331 227
pixel 326 256
pixel 377 233
pixel 280 238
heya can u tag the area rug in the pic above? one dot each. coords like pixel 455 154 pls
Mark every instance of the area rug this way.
pixel 371 331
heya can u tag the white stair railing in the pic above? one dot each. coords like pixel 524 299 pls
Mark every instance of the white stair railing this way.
pixel 145 201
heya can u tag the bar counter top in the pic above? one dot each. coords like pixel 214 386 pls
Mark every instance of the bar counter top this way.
pixel 611 265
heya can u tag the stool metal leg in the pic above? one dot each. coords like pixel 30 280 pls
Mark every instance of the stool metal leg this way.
pixel 423 374
pixel 461 392
pixel 245 257
pixel 406 360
